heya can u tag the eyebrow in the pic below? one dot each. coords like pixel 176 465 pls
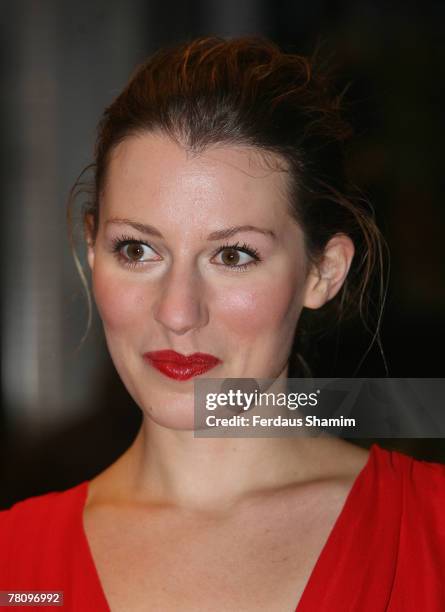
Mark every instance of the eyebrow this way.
pixel 217 235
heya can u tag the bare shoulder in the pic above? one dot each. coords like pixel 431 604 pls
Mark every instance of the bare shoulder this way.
pixel 328 459
pixel 349 459
pixel 111 484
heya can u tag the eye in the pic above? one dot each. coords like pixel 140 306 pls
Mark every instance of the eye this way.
pixel 132 252
pixel 236 256
pixel 137 251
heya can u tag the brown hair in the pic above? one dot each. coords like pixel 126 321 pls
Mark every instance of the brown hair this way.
pixel 246 91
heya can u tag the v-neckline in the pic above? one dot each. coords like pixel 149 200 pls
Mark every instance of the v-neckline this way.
pixel 310 584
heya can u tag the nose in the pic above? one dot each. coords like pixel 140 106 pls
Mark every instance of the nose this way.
pixel 181 306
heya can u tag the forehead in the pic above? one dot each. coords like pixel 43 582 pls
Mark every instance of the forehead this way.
pixel 152 173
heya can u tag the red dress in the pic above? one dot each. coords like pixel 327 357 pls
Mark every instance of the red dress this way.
pixel 386 550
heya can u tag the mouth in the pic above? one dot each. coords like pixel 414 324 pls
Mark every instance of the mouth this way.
pixel 181 367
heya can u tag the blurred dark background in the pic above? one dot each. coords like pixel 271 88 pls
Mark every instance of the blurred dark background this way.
pixel 65 415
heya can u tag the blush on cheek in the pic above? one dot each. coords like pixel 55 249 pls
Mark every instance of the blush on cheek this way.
pixel 120 304
pixel 251 311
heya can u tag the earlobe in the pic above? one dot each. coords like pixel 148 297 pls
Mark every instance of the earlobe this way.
pixel 89 233
pixel 326 278
pixel 90 255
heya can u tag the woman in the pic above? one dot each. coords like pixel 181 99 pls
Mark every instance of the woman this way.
pixel 221 211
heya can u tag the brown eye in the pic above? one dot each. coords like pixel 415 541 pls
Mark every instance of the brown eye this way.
pixel 136 251
pixel 236 257
pixel 230 257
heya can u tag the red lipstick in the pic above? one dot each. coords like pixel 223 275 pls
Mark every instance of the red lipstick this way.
pixel 181 367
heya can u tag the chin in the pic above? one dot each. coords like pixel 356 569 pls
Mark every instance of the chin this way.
pixel 170 410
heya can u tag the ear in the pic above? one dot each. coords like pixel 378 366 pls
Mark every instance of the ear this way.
pixel 326 277
pixel 89 231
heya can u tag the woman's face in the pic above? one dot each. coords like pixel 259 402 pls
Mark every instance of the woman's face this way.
pixel 195 254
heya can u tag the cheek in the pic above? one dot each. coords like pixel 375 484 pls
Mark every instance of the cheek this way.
pixel 260 310
pixel 120 304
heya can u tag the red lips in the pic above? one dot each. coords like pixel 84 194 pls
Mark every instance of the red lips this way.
pixel 181 367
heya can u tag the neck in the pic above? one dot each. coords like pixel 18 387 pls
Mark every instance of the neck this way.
pixel 173 467
pixel 165 466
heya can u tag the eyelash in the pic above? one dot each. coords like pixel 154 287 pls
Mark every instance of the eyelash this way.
pixel 244 248
pixel 119 243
